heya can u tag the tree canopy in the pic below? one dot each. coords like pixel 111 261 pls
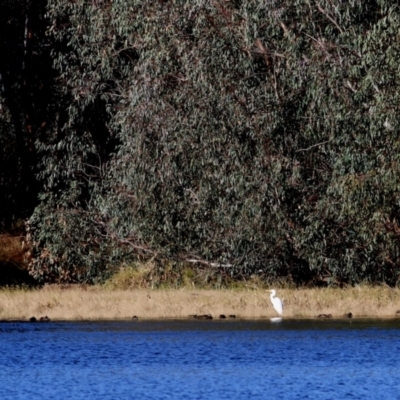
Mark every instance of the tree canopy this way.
pixel 243 135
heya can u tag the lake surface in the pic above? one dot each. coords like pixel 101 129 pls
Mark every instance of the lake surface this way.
pixel 357 359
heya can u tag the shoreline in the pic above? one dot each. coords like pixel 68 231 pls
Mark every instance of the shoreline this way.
pixel 96 303
pixel 214 320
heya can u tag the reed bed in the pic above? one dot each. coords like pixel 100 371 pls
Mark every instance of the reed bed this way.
pixel 102 303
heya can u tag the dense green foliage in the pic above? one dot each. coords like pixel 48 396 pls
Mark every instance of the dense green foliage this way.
pixel 243 135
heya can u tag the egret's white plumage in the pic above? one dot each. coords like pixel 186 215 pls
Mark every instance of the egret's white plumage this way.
pixel 276 302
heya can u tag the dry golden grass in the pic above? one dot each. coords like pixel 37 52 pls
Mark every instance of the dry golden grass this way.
pixel 151 293
pixel 100 303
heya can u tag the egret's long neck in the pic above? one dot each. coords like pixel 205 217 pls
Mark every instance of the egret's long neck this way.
pixel 271 296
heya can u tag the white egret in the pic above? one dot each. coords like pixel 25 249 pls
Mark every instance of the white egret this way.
pixel 276 302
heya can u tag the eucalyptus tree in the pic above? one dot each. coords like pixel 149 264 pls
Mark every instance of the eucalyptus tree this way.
pixel 248 136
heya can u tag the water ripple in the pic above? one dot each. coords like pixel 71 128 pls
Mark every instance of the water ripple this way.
pixel 200 360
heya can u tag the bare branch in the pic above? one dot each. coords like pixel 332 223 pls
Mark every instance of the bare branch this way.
pixel 329 17
pixel 314 145
pixel 210 264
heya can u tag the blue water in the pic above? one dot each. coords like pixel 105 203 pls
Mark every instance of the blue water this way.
pixel 200 360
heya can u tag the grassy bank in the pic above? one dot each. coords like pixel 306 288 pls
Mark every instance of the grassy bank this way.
pixel 152 292
pixel 93 303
